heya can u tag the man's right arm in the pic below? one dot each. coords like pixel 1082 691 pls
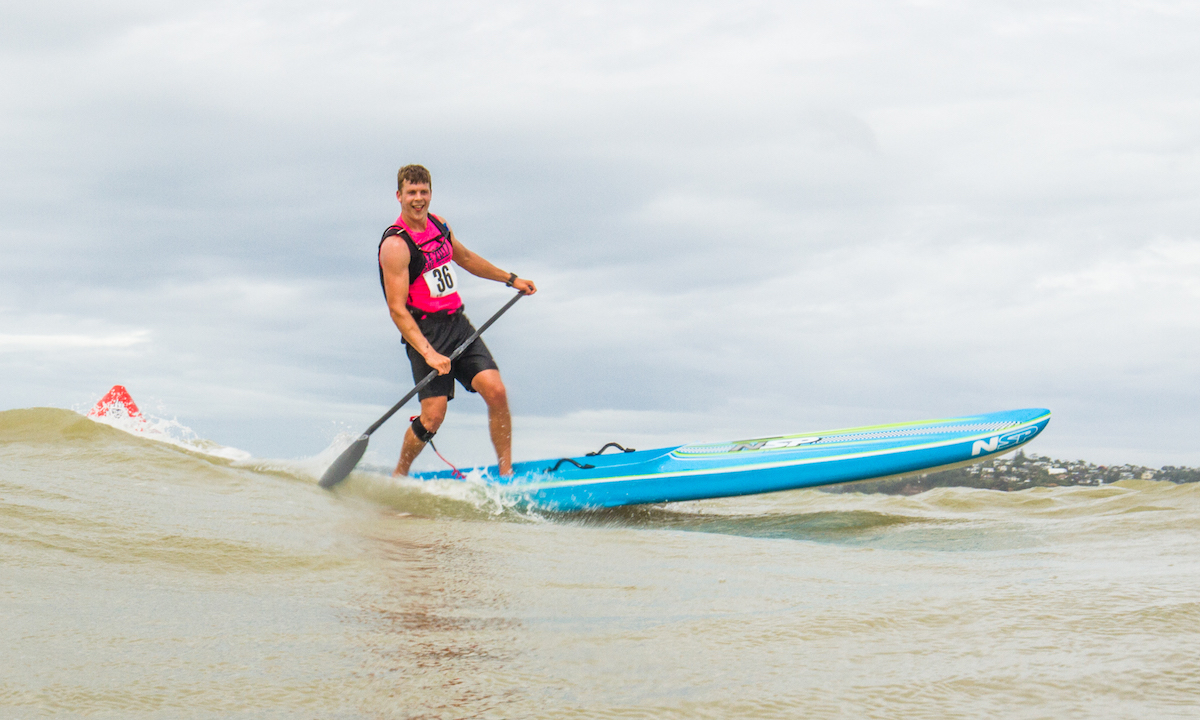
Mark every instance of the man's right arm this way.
pixel 393 258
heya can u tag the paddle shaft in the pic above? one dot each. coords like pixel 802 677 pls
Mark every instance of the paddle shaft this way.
pixel 434 373
pixel 345 463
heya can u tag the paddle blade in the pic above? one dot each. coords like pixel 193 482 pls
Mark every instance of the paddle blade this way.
pixel 341 467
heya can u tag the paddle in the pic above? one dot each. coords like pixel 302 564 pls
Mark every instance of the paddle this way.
pixel 341 467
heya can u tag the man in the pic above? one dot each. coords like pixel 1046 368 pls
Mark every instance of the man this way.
pixel 422 294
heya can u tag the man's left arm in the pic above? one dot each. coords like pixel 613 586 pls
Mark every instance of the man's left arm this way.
pixel 478 266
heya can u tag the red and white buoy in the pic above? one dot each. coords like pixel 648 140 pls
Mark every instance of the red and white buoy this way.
pixel 114 402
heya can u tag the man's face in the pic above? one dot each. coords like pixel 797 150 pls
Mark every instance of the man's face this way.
pixel 414 199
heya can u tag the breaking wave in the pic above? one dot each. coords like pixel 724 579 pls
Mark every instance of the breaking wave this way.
pixel 54 439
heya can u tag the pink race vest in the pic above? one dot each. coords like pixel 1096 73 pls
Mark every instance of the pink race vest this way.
pixel 435 288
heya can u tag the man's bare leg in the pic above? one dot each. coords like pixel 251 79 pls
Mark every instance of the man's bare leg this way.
pixel 491 389
pixel 433 412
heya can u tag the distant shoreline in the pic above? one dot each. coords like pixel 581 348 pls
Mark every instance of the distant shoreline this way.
pixel 1020 472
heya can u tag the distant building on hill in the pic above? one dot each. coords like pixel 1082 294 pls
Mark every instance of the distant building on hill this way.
pixel 1020 472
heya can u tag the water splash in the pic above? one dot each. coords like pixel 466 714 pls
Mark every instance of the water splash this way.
pixel 169 431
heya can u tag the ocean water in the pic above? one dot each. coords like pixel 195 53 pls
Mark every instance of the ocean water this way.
pixel 150 579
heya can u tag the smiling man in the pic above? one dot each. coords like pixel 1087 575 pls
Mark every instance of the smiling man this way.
pixel 421 289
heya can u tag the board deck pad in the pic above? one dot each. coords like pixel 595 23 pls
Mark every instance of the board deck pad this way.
pixel 760 465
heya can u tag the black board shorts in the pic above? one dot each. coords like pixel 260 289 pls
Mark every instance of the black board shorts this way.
pixel 445 333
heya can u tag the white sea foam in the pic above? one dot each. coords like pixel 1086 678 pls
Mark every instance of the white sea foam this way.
pixel 171 432
pixel 475 489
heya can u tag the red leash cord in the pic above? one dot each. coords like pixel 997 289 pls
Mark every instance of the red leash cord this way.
pixel 456 473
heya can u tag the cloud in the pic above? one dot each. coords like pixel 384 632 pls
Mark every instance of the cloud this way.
pixel 792 215
pixel 18 343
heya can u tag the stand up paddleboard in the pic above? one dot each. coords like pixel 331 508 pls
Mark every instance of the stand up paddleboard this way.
pixel 762 465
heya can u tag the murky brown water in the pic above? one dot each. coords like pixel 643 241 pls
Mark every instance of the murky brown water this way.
pixel 138 580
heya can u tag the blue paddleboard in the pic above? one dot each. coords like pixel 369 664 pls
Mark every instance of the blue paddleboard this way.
pixel 761 465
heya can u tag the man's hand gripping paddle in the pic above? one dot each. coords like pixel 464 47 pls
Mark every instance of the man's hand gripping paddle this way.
pixel 341 467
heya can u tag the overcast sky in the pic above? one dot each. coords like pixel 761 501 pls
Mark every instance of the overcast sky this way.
pixel 744 218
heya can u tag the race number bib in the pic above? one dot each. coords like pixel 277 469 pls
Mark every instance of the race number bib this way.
pixel 441 281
